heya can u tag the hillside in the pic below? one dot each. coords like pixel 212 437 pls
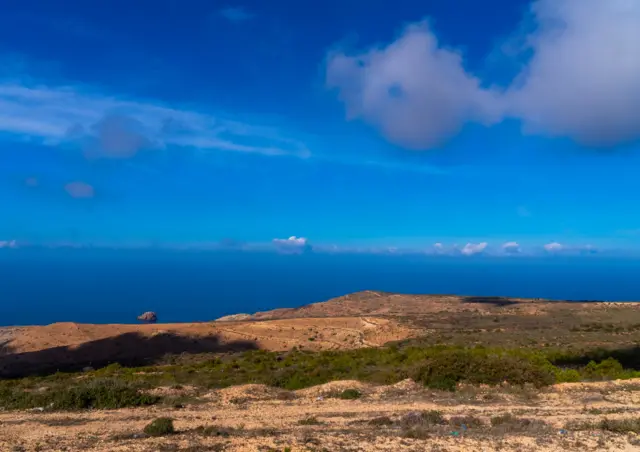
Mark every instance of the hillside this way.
pixel 312 379
pixel 363 319
pixel 374 303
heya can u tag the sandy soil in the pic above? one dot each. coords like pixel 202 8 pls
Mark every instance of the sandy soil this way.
pixel 326 334
pixel 263 419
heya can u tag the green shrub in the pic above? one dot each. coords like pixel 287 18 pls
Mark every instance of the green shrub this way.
pixel 567 376
pixel 97 393
pixel 608 369
pixel 445 369
pixel 160 427
pixel 349 394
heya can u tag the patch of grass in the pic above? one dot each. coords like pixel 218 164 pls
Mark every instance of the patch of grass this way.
pixel 125 436
pixel 109 393
pixel 349 394
pixel 212 430
pixel 382 421
pixel 420 424
pixel 627 425
pixel 466 421
pixel 161 426
pixel 309 421
pixel 62 422
pixel 509 424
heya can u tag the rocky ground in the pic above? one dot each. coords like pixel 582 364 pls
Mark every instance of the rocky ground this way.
pixel 405 416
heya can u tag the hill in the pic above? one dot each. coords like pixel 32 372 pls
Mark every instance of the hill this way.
pixel 317 378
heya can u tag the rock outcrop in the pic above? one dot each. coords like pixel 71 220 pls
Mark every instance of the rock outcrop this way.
pixel 148 317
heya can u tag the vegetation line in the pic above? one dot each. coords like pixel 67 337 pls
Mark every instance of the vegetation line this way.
pixel 438 367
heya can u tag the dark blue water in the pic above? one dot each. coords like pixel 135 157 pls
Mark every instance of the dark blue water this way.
pixel 102 286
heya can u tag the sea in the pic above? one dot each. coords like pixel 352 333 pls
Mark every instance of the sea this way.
pixel 43 286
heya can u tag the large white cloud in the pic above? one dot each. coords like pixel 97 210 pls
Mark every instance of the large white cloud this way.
pixel 414 91
pixel 583 80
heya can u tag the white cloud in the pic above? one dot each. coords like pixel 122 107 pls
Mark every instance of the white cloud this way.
pixel 511 248
pixel 553 247
pixel 414 91
pixel 292 244
pixel 583 80
pixel 111 127
pixel 8 244
pixel 473 248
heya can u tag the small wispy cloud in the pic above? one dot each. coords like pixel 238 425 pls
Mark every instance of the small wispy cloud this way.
pixel 236 14
pixel 8 244
pixel 522 211
pixel 511 248
pixel 292 244
pixel 473 248
pixel 79 189
pixel 109 126
pixel 553 247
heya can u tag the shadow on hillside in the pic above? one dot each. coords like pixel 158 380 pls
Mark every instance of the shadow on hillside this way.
pixel 129 349
pixel 498 302
pixel 629 357
pixel 5 348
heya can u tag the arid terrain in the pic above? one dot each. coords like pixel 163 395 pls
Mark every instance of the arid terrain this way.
pixel 257 418
pixel 196 374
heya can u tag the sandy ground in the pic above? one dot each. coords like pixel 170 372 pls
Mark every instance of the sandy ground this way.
pixel 267 419
pixel 327 333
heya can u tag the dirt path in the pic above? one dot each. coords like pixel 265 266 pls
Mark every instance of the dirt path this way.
pixel 257 418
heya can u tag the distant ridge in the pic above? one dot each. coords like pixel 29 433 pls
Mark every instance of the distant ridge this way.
pixel 374 303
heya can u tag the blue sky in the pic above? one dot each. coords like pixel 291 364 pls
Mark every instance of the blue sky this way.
pixel 505 127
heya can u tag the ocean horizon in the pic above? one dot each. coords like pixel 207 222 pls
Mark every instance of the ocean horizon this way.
pixel 45 286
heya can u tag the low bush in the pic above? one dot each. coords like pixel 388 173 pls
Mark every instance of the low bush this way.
pixel 349 394
pixel 160 427
pixel 98 393
pixel 309 421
